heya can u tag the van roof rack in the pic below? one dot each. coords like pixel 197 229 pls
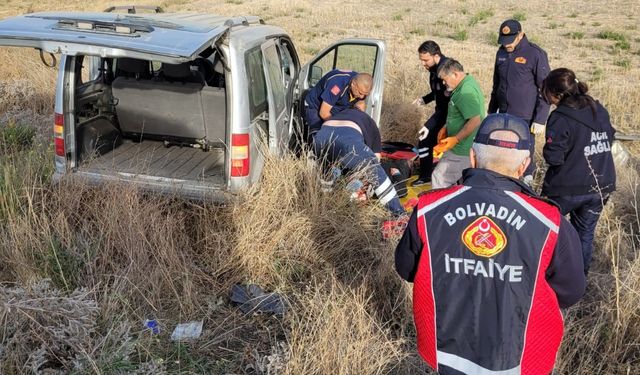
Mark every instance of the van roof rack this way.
pixel 132 9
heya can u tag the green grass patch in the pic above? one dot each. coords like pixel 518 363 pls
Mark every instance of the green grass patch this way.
pixel 16 137
pixel 553 25
pixel 622 45
pixel 597 74
pixel 481 16
pixel 460 35
pixel 575 35
pixel 491 38
pixel 623 63
pixel 596 24
pixel 612 35
pixel 573 15
pixel 397 17
pixel 520 16
pixel 235 2
pixel 417 31
pixel 61 265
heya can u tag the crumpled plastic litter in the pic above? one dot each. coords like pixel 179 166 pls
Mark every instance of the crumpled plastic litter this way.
pixel 187 331
pixel 252 298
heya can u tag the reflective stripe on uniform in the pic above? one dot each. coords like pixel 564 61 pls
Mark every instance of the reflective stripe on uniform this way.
pixel 539 215
pixel 423 152
pixel 467 367
pixel 440 201
pixel 386 192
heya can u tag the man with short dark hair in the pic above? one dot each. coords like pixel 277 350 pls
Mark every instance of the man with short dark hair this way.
pixel 431 59
pixel 336 91
pixel 492 264
pixel 519 70
pixel 464 113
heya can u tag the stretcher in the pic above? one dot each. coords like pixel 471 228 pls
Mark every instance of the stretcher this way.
pixel 413 192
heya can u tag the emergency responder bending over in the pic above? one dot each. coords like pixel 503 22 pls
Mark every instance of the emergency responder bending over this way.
pixel 581 173
pixel 464 113
pixel 431 58
pixel 518 73
pixel 336 91
pixel 351 139
pixel 491 263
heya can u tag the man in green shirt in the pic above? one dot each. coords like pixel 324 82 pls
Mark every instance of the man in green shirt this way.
pixel 465 113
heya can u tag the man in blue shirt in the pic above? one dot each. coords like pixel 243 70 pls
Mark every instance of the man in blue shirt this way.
pixel 336 91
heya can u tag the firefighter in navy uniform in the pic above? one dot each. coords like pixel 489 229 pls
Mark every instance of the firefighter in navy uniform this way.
pixel 491 263
pixel 431 58
pixel 335 92
pixel 519 70
pixel 351 140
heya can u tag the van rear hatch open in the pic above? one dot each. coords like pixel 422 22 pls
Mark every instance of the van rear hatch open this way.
pixel 137 107
pixel 163 37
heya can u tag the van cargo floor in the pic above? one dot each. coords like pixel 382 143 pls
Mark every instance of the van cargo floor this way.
pixel 152 158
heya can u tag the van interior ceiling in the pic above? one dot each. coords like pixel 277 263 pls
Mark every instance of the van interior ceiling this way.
pixel 144 117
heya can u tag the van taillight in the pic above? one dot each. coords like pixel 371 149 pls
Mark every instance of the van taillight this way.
pixel 239 155
pixel 58 134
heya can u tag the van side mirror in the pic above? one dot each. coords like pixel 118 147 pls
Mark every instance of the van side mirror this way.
pixel 316 75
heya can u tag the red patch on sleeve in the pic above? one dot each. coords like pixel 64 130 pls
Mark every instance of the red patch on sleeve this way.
pixel 549 140
pixel 335 90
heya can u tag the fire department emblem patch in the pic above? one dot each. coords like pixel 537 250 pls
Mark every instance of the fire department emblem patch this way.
pixel 484 237
pixel 335 90
pixel 521 60
pixel 506 30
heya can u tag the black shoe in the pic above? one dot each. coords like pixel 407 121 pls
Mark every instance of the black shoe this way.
pixel 421 181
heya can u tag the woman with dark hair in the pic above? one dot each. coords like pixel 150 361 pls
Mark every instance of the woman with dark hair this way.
pixel 581 174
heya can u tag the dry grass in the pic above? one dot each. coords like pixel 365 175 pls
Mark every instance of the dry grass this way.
pixel 326 331
pixel 116 257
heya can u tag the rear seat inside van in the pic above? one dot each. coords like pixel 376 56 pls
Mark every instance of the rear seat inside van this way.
pixel 175 104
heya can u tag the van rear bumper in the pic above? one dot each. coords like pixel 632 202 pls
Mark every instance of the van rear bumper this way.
pixel 165 186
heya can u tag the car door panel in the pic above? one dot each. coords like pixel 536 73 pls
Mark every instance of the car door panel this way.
pixel 361 55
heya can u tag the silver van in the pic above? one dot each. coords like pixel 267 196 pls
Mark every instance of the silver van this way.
pixel 178 102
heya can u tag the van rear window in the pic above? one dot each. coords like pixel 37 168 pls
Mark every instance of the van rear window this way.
pixel 257 84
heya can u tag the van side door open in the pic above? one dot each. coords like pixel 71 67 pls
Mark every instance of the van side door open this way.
pixel 278 108
pixel 360 55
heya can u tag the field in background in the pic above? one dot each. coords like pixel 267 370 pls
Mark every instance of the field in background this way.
pixel 115 257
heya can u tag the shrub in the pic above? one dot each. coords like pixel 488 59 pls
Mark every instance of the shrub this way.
pixel 16 137
pixel 520 16
pixel 612 35
pixel 481 16
pixel 623 63
pixel 622 45
pixel 575 35
pixel 460 35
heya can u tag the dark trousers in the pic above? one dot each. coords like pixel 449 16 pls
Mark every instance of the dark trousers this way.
pixel 425 146
pixel 584 212
pixel 531 169
pixel 313 120
pixel 345 146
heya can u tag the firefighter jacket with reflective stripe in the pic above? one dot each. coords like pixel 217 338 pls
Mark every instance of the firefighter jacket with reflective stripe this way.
pixel 482 302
